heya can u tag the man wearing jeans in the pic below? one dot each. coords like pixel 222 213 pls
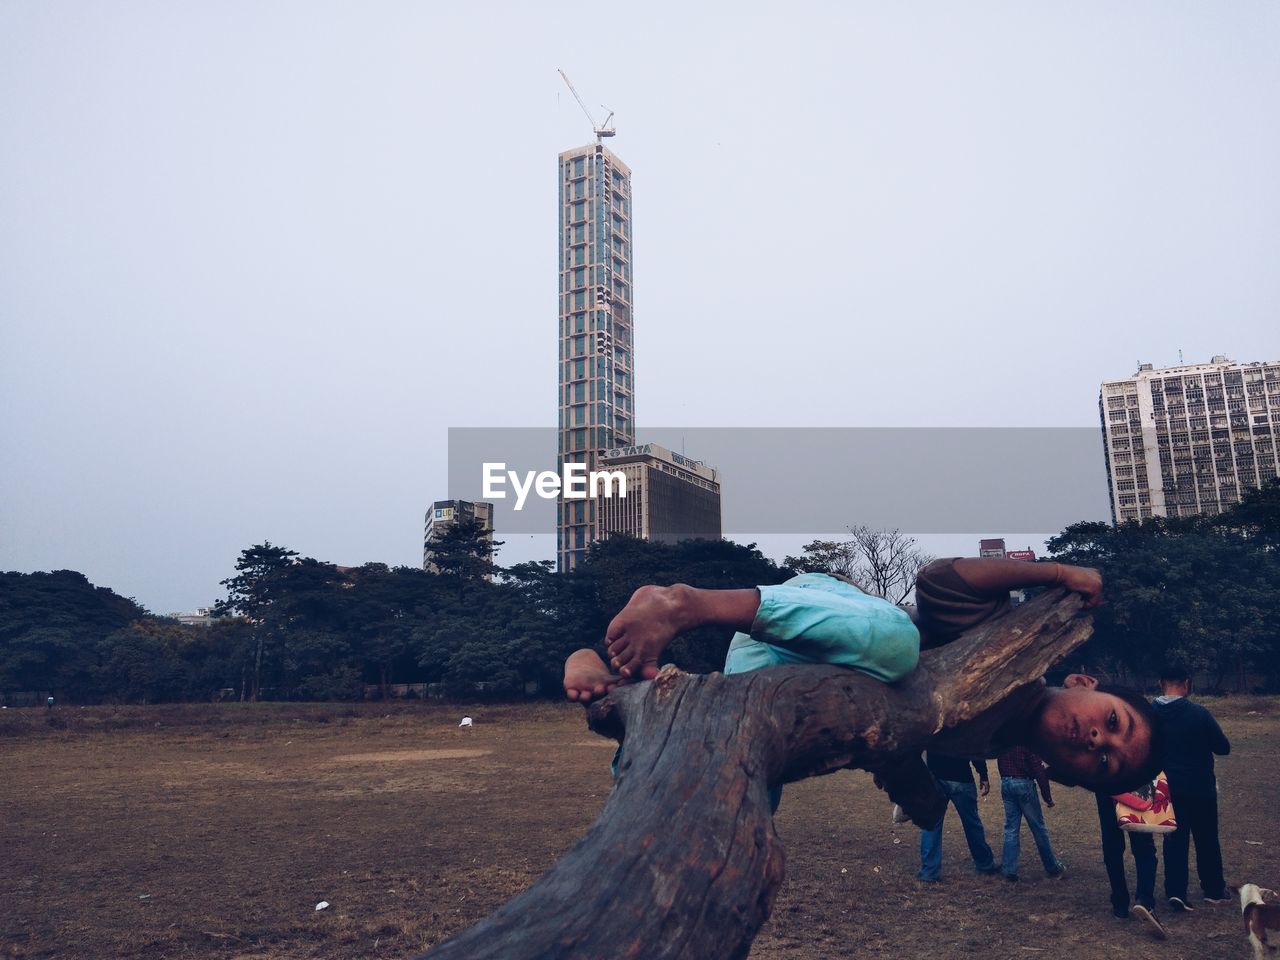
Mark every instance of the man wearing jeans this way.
pixel 1020 771
pixel 956 780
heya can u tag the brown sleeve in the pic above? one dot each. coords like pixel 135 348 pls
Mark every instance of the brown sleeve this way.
pixel 946 605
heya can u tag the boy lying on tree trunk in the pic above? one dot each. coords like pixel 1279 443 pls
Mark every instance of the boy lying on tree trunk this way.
pixel 1103 738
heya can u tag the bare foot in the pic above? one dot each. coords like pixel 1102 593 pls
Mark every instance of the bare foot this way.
pixel 586 678
pixel 647 624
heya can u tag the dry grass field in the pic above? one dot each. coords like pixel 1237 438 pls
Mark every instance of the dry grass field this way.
pixel 213 831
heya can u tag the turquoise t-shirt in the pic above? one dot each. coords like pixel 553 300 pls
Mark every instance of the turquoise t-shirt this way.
pixel 815 618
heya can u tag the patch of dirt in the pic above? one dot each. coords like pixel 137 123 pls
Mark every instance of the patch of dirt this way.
pixel 406 756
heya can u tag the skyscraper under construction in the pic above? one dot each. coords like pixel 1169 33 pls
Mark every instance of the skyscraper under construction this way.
pixel 597 386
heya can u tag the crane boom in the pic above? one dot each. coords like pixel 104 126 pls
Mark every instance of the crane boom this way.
pixel 600 130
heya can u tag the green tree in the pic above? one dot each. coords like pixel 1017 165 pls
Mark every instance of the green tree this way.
pixel 385 604
pixel 51 626
pixel 145 663
pixel 1257 515
pixel 465 549
pixel 257 586
pixel 1192 589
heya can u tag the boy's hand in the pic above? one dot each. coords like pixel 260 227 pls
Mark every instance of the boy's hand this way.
pixel 1085 581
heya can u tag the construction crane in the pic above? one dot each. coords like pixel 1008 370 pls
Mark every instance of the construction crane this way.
pixel 601 130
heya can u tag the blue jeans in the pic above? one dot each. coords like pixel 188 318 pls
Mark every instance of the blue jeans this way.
pixel 964 796
pixel 1021 800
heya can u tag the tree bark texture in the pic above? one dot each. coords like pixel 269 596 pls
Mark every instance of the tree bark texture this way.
pixel 684 861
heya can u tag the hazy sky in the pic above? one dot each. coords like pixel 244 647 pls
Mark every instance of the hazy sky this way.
pixel 257 257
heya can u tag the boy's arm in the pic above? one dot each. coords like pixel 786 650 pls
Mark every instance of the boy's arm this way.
pixel 995 576
pixel 1218 741
pixel 984 783
pixel 1042 772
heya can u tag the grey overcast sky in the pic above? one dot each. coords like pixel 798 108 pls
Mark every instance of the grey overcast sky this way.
pixel 257 257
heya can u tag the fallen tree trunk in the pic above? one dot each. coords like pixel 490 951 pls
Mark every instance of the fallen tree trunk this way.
pixel 684 861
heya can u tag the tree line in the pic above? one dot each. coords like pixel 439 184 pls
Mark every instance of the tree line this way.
pixel 296 628
pixel 1205 590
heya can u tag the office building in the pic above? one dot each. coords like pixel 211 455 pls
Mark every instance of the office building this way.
pixel 1189 439
pixel 669 496
pixel 596 374
pixel 444 513
pixel 991 548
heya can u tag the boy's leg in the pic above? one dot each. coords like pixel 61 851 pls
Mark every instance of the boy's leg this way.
pixel 1144 862
pixel 1176 848
pixel 654 616
pixel 815 619
pixel 931 852
pixel 1208 850
pixel 823 620
pixel 1039 832
pixel 1113 856
pixel 1012 826
pixel 965 798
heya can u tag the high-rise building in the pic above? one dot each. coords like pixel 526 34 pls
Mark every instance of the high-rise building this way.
pixel 669 497
pixel 1189 439
pixel 445 513
pixel 596 407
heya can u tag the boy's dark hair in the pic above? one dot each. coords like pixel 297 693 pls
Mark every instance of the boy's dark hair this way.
pixel 1146 771
pixel 1176 672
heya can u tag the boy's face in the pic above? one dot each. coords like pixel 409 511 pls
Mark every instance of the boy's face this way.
pixel 1089 737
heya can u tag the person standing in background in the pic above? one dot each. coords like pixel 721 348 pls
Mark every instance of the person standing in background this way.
pixel 1143 846
pixel 1021 771
pixel 955 778
pixel 1192 737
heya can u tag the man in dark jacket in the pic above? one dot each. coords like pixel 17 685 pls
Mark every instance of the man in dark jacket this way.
pixel 955 778
pixel 1191 737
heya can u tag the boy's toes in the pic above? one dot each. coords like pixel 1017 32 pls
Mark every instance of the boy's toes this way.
pixel 623 663
pixel 618 650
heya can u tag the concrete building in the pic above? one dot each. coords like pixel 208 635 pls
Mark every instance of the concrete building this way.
pixel 1189 439
pixel 992 547
pixel 596 385
pixel 669 497
pixel 445 513
pixel 203 617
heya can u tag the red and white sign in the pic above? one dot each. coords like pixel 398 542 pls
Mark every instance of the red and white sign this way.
pixel 1021 554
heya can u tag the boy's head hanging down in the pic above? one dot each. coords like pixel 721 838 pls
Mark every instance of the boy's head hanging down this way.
pixel 1101 737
